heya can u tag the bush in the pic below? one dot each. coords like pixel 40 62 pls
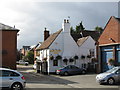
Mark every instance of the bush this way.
pixel 65 60
pixel 51 57
pixel 71 60
pixel 88 56
pixel 58 57
pixel 30 57
pixel 82 57
pixel 45 59
pixel 94 60
pixel 76 57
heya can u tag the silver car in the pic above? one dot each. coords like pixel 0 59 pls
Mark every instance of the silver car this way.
pixel 111 76
pixel 11 79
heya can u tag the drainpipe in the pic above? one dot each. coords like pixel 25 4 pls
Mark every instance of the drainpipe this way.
pixel 114 54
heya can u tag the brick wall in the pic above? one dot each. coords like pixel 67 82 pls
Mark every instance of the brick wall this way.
pixel 9 48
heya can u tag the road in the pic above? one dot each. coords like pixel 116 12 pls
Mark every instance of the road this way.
pixel 35 80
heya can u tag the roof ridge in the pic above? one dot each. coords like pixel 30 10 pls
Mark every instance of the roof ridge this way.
pixel 6 27
pixel 49 40
pixel 80 39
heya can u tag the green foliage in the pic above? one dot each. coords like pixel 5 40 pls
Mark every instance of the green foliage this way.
pixel 65 60
pixel 82 57
pixel 51 57
pixel 58 57
pixel 45 59
pixel 71 60
pixel 99 29
pixel 94 60
pixel 88 56
pixel 72 31
pixel 29 57
pixel 76 57
pixel 77 29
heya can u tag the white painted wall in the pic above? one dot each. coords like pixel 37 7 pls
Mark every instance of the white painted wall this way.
pixel 68 47
pixel 56 45
pixel 84 50
pixel 66 44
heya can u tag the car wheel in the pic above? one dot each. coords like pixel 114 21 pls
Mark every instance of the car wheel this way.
pixel 66 73
pixel 16 86
pixel 83 72
pixel 110 81
pixel 26 64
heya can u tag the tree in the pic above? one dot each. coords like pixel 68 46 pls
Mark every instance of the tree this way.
pixel 99 29
pixel 30 57
pixel 19 55
pixel 72 31
pixel 79 27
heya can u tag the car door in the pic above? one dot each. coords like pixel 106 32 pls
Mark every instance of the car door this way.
pixel 76 70
pixel 118 75
pixel 71 69
pixel 68 69
pixel 6 78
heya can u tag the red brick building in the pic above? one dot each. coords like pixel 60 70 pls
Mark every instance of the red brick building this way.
pixel 109 44
pixel 25 50
pixel 8 43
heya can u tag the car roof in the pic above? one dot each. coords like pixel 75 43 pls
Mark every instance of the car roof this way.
pixel 9 70
pixel 118 66
pixel 5 69
pixel 70 65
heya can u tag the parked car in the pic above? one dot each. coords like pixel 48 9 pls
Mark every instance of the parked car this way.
pixel 111 76
pixel 11 79
pixel 22 62
pixel 70 70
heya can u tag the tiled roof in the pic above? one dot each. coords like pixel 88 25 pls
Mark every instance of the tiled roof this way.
pixel 94 34
pixel 77 37
pixel 49 40
pixel 82 40
pixel 6 27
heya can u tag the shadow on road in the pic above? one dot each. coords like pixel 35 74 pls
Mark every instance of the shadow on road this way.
pixel 36 78
pixel 47 79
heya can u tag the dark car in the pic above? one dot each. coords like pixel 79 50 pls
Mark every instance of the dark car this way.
pixel 70 70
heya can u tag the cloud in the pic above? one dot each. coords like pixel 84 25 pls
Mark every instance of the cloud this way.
pixel 32 17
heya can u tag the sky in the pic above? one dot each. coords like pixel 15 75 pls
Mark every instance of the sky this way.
pixel 31 17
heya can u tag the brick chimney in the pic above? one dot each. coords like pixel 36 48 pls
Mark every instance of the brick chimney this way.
pixel 46 34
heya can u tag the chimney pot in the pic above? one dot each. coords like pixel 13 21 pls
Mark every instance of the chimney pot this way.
pixel 64 20
pixel 67 21
pixel 45 28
